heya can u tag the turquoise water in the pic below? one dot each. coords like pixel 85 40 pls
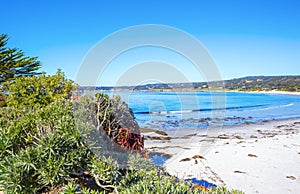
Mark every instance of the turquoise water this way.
pixel 172 110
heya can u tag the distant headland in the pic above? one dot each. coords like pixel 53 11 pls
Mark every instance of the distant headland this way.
pixel 250 83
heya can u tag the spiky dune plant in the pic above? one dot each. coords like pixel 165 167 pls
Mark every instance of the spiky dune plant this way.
pixel 90 145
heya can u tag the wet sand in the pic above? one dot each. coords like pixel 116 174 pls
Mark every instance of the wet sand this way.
pixel 255 158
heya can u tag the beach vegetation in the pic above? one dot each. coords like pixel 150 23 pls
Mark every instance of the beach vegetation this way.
pixel 14 63
pixel 38 91
pixel 51 144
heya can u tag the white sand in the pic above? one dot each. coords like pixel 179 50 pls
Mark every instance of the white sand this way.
pixel 276 92
pixel 256 158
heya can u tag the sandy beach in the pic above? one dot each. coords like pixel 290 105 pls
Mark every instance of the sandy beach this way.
pixel 277 92
pixel 255 158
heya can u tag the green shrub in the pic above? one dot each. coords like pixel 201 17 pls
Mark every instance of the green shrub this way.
pixel 51 144
pixel 108 120
pixel 104 169
pixel 37 91
pixel 42 149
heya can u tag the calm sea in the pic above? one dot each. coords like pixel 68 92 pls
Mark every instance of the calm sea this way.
pixel 173 110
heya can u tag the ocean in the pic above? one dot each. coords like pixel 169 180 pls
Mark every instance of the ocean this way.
pixel 174 110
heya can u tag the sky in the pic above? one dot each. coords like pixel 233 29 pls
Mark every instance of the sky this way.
pixel 244 37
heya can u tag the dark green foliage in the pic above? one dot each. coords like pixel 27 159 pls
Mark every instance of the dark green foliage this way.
pixel 14 63
pixel 56 157
pixel 258 83
pixel 24 126
pixel 44 157
pixel 104 169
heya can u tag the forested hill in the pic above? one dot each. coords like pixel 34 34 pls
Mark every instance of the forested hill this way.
pixel 284 83
pixel 250 83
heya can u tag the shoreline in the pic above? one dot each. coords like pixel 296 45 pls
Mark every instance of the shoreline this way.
pixel 209 91
pixel 272 92
pixel 257 158
pixel 184 130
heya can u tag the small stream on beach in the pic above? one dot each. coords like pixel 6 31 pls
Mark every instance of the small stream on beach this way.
pixel 174 110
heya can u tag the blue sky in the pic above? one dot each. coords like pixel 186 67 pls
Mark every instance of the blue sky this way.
pixel 246 37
